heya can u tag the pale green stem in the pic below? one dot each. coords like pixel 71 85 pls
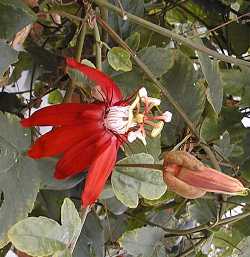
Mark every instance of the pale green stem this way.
pixel 80 41
pixel 98 47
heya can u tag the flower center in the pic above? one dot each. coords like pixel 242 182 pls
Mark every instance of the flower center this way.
pixel 117 119
pixel 133 118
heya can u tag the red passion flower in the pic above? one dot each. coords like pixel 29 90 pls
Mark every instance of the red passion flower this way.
pixel 89 135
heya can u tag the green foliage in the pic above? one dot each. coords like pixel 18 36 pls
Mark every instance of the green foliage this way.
pixel 158 60
pixel 55 97
pixel 210 70
pixel 8 57
pixel 123 27
pixel 153 147
pixel 131 182
pixel 242 249
pixel 41 236
pixel 119 59
pixel 135 215
pixel 37 236
pixel 19 176
pixel 133 41
pixel 144 241
pixel 15 15
pixel 182 83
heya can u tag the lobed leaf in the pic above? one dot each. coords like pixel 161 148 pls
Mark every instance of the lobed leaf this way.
pixel 129 183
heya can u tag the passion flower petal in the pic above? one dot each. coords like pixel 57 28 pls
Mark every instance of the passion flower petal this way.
pixel 60 139
pixel 99 172
pixel 64 114
pixel 107 86
pixel 81 155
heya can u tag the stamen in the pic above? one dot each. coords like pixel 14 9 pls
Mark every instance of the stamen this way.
pixel 157 130
pixel 123 119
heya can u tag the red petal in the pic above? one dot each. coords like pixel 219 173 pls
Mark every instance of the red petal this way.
pixel 60 139
pixel 64 114
pixel 98 173
pixel 108 86
pixel 81 155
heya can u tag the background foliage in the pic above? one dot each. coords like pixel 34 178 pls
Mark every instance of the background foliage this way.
pixel 136 215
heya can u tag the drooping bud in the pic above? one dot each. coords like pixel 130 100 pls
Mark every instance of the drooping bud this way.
pixel 190 178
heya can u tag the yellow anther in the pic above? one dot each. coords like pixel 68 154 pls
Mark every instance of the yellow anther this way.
pixel 139 118
pixel 157 129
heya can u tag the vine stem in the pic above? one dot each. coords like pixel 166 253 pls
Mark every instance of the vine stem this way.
pixel 98 47
pixel 79 48
pixel 80 41
pixel 205 227
pixel 170 34
pixel 163 89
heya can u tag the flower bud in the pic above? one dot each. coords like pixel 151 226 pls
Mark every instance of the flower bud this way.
pixel 188 177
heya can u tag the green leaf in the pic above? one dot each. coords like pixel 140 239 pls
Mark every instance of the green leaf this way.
pixel 158 60
pixel 24 63
pixel 166 197
pixel 243 248
pixel 115 206
pixel 91 241
pixel 243 226
pixel 182 83
pixel 210 129
pixel 37 236
pixel 8 56
pixel 19 177
pixel 236 82
pixel 47 169
pixel 121 26
pixel 64 253
pixel 225 147
pixel 55 97
pixel 153 147
pixel 238 35
pixel 14 15
pixel 70 219
pixel 202 210
pixel 133 41
pixel 211 73
pixel 128 81
pixel 144 242
pixel 42 236
pixel 227 241
pixel 131 182
pixel 119 59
